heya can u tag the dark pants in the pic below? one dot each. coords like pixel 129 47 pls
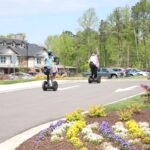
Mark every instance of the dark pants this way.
pixel 93 70
pixel 47 71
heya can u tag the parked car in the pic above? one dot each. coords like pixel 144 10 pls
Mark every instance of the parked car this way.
pixel 20 75
pixel 121 70
pixel 105 72
pixel 136 72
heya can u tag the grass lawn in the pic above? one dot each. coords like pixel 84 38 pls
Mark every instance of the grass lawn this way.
pixel 15 81
pixel 125 103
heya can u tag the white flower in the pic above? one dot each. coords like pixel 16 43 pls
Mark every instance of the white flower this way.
pixel 146 132
pixel 60 130
pixel 56 138
pixel 120 130
pixel 108 146
pixel 122 134
pixel 93 137
pixel 144 124
pixel 86 130
pixel 93 125
pixel 119 123
pixel 134 141
pixel 145 127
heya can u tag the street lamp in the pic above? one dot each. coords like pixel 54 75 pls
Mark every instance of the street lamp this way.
pixel 27 50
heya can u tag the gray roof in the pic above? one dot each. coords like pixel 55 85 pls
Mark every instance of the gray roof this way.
pixel 4 47
pixel 9 41
pixel 34 50
pixel 30 49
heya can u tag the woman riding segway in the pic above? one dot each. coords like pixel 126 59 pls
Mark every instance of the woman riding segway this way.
pixel 94 65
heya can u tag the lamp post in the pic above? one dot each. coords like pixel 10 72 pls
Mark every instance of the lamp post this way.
pixel 14 59
pixel 27 50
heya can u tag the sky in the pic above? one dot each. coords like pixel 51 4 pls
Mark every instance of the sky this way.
pixel 39 19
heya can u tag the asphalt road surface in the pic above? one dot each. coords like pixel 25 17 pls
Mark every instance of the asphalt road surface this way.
pixel 24 109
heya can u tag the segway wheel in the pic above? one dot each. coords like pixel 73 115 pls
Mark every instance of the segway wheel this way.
pixel 55 86
pixel 45 86
pixel 89 80
pixel 99 80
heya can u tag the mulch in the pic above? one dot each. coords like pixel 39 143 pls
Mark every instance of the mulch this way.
pixel 46 144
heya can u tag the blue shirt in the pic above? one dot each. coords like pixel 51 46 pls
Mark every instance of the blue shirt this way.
pixel 49 61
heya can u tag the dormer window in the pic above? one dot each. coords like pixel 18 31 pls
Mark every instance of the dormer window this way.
pixel 22 44
pixel 13 43
pixel 4 43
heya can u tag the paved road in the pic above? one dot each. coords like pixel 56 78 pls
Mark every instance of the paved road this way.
pixel 24 109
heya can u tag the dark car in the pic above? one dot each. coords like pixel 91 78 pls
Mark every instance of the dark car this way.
pixel 105 72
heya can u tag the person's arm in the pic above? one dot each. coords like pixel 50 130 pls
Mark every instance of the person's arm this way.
pixel 45 60
pixel 89 60
pixel 97 52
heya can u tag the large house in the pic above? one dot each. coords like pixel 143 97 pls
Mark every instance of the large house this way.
pixel 16 54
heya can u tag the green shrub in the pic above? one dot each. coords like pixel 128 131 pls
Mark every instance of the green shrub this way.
pixel 146 140
pixel 97 110
pixel 136 107
pixel 76 142
pixel 75 115
pixel 125 114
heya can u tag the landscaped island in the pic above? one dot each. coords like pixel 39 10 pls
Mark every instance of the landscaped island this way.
pixel 102 128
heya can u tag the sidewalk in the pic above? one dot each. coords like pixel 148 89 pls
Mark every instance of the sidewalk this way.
pixel 21 86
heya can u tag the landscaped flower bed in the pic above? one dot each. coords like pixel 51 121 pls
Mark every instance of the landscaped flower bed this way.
pixel 96 130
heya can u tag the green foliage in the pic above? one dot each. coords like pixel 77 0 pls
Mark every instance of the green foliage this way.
pixel 123 39
pixel 75 115
pixel 146 140
pixel 125 114
pixel 23 69
pixel 76 142
pixel 135 107
pixel 97 110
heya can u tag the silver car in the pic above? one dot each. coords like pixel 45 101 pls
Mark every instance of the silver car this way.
pixel 20 75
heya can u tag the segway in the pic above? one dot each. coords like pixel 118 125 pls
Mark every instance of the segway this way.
pixel 92 80
pixel 50 84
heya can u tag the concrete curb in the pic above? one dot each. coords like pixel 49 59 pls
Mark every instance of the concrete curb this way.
pixel 14 142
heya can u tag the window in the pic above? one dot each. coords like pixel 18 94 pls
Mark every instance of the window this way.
pixel 38 60
pixel 104 70
pixel 2 59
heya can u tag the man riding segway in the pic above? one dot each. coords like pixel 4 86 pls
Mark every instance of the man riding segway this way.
pixel 49 84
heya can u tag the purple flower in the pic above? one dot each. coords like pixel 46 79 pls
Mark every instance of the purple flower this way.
pixel 109 133
pixel 57 124
pixel 135 148
pixel 104 127
pixel 37 142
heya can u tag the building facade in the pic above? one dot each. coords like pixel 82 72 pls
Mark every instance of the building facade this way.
pixel 16 54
